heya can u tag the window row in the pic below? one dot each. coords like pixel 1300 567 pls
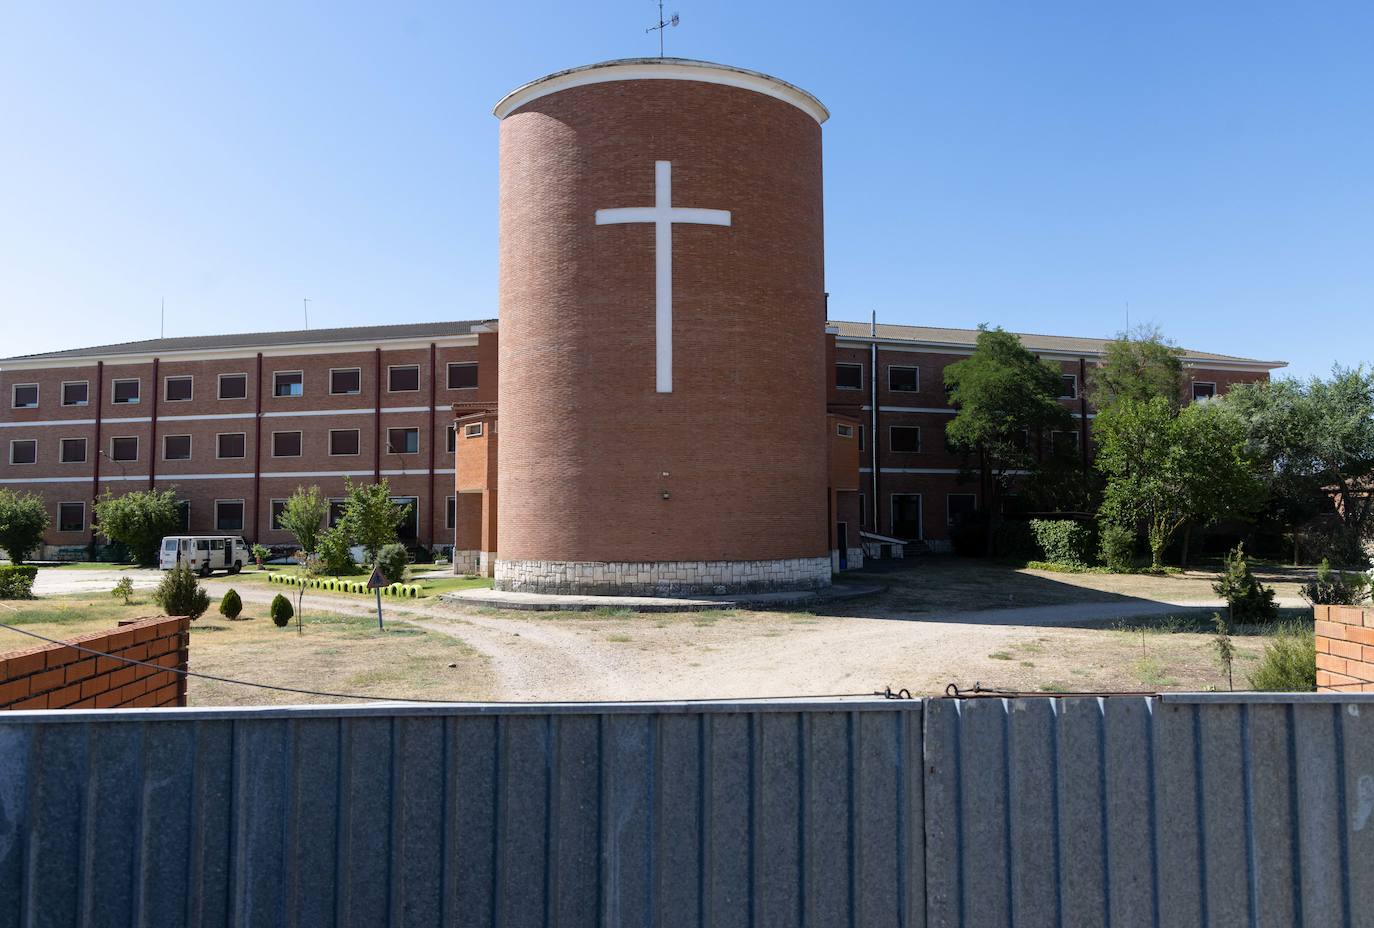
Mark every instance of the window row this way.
pixel 180 388
pixel 906 439
pixel 900 378
pixel 408 529
pixel 228 445
pixel 907 512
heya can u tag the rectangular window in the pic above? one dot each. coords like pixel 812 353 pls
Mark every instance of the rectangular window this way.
pixel 403 441
pixel 230 444
pixel 288 383
pixel 451 512
pixel 177 389
pixel 472 430
pixel 907 513
pixel 278 507
pixel 72 451
pixel 409 529
pixel 346 381
pixel 849 376
pixel 1202 390
pixel 233 386
pixel 228 515
pixel 336 511
pixel 176 447
pixel 861 438
pixel 184 515
pixel 344 441
pixel 404 378
pixel 24 396
pixel 904 379
pixel 960 507
pixel 286 444
pixel 77 393
pixel 1064 442
pixel 863 511
pixel 462 375
pixel 1069 390
pixel 844 431
pixel 24 451
pixel 124 449
pixel 71 517
pixel 124 392
pixel 452 439
pixel 904 439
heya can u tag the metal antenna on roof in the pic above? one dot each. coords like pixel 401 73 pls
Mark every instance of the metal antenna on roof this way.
pixel 306 304
pixel 162 320
pixel 662 26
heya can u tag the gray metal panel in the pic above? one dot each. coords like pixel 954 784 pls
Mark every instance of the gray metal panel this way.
pixel 776 814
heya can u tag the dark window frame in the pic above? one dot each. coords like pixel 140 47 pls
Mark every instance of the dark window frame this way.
pixel 62 451
pixel 345 370
pixel 840 364
pixel 85 386
pixel 277 385
pixel 219 386
pixel 15 443
pixel 903 367
pixel 357 443
pixel 135 400
pixel 300 443
pixel 243 439
pixel 61 521
pixel 124 438
pixel 391 378
pixel 464 365
pixel 14 395
pixel 243 515
pixel 390 445
pixel 891 439
pixel 167 388
pixel 166 438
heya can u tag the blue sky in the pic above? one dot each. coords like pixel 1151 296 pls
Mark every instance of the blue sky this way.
pixel 1036 166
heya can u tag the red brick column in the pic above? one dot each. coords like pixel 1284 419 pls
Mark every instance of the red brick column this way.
pixel 1345 649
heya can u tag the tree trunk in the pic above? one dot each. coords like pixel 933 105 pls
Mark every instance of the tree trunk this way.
pixel 1187 534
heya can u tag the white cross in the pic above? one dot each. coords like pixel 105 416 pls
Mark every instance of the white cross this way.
pixel 663 214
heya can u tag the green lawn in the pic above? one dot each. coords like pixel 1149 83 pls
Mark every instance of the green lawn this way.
pixel 432 579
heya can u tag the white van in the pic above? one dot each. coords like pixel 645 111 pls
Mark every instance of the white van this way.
pixel 205 553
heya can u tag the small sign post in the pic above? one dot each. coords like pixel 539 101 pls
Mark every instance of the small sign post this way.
pixel 376 582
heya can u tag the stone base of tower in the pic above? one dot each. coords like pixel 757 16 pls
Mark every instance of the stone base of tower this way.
pixel 662 578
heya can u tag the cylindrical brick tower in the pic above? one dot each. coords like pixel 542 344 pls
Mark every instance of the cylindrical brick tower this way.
pixel 662 352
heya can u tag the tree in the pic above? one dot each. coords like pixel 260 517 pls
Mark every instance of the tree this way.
pixel 180 594
pixel 23 520
pixel 1170 468
pixel 370 518
pixel 1004 394
pixel 1317 440
pixel 138 520
pixel 303 516
pixel 1137 365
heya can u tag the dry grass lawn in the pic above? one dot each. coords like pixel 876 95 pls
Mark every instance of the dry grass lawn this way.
pixel 332 652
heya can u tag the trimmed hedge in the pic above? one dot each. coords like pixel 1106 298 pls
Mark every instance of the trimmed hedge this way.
pixel 335 585
pixel 16 581
pixel 1064 541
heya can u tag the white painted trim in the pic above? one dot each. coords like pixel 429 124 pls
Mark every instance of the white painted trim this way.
pixel 387 409
pixel 663 215
pixel 118 380
pixel 219 386
pixel 939 410
pixel 242 353
pixel 85 449
pixel 933 471
pixel 1074 377
pixel 166 381
pixel 468 430
pixel 238 457
pixel 272 443
pixel 72 502
pixel 1210 383
pixel 271 518
pixel 963 348
pixel 287 413
pixel 676 69
pixel 344 454
pixel 450 515
pixel 201 417
pixel 128 420
pixel 340 370
pixel 37 395
pixel 47 422
pixel 62 394
pixel 190 445
pixel 22 441
pixel 265 475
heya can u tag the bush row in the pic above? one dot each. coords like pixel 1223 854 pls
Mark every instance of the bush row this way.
pixel 335 585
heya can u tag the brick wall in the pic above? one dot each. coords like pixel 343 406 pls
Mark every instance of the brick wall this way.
pixel 1345 649
pixel 58 676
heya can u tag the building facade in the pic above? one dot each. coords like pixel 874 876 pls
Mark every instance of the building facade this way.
pixel 236 423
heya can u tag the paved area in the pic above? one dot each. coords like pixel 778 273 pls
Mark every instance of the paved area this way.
pixel 548 602
pixel 54 581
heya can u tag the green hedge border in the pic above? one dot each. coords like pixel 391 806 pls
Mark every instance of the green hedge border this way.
pixel 335 585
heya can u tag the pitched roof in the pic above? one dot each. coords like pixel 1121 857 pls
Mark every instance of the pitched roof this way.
pixel 1060 344
pixel 255 340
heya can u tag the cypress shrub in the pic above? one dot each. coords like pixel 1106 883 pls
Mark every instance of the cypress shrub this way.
pixel 281 610
pixel 179 593
pixel 230 606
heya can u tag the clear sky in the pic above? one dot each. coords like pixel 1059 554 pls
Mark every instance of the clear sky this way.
pixel 1038 166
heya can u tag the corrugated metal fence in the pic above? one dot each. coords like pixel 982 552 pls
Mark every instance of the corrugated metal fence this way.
pixel 1124 811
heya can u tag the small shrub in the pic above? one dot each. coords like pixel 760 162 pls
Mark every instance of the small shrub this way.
pixel 393 559
pixel 23 520
pixel 179 593
pixel 260 554
pixel 281 610
pixel 1117 548
pixel 124 590
pixel 334 554
pixel 1249 601
pixel 1335 587
pixel 16 581
pixel 230 606
pixel 1063 541
pixel 1289 663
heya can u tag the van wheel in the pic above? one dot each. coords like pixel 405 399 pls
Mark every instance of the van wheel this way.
pixel 236 568
pixel 205 570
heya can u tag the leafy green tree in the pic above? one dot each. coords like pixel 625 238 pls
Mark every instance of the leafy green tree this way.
pixel 1138 365
pixel 138 520
pixel 1003 394
pixel 23 520
pixel 370 518
pixel 303 516
pixel 1317 438
pixel 1168 469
